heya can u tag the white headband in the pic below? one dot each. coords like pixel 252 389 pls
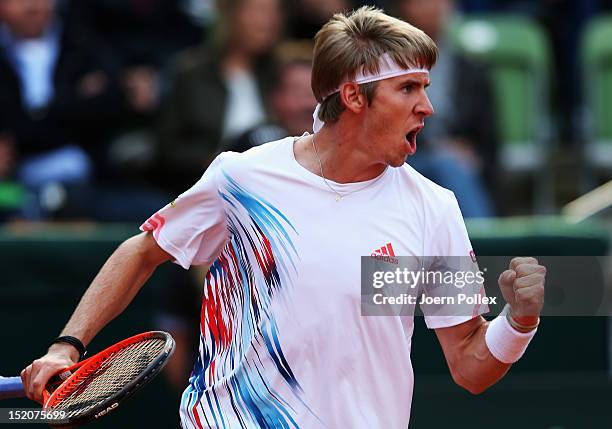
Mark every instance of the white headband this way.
pixel 387 67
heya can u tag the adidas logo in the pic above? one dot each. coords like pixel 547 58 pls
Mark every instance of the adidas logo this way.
pixel 385 254
pixel 386 250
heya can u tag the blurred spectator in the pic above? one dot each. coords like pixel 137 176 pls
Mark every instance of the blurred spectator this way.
pixel 140 31
pixel 57 97
pixel 216 92
pixel 457 147
pixel 290 99
pixel 143 35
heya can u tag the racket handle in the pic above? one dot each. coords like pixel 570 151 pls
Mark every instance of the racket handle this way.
pixel 11 387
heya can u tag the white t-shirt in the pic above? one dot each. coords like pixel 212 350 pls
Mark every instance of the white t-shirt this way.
pixel 283 343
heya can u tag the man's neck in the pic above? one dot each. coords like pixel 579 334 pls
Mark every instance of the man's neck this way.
pixel 237 61
pixel 50 29
pixel 339 151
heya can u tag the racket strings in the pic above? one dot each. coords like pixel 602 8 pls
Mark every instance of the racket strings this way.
pixel 103 379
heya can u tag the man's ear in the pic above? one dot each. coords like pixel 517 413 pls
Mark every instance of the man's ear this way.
pixel 352 98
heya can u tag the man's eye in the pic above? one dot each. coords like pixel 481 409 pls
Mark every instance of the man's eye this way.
pixel 408 88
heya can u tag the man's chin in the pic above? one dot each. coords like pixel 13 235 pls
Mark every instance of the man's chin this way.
pixel 398 162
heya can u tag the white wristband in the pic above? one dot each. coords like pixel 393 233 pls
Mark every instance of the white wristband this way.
pixel 505 343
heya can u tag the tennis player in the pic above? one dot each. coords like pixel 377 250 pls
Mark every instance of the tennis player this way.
pixel 283 342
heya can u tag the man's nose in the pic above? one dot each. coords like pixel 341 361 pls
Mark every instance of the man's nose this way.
pixel 424 106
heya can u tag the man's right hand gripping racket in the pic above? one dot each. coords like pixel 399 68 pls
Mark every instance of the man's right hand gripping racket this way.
pixel 96 386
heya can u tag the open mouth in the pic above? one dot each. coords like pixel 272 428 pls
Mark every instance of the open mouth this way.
pixel 411 138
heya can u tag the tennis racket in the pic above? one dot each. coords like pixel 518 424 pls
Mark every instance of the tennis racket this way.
pixel 96 386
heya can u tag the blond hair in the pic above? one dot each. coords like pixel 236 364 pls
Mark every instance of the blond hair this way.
pixel 348 42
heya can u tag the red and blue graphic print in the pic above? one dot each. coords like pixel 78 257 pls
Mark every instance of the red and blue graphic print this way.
pixel 229 385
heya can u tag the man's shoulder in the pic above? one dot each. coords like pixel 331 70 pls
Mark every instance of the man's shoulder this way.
pixel 266 155
pixel 433 194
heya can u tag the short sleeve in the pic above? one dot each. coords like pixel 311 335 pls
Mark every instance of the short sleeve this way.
pixel 450 253
pixel 450 237
pixel 193 227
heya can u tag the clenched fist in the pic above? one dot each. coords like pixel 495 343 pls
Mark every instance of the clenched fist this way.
pixel 522 286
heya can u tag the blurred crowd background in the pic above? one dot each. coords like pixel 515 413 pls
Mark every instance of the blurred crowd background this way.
pixel 110 108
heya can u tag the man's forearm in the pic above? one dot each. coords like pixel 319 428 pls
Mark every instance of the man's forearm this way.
pixel 474 367
pixel 478 352
pixel 113 288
